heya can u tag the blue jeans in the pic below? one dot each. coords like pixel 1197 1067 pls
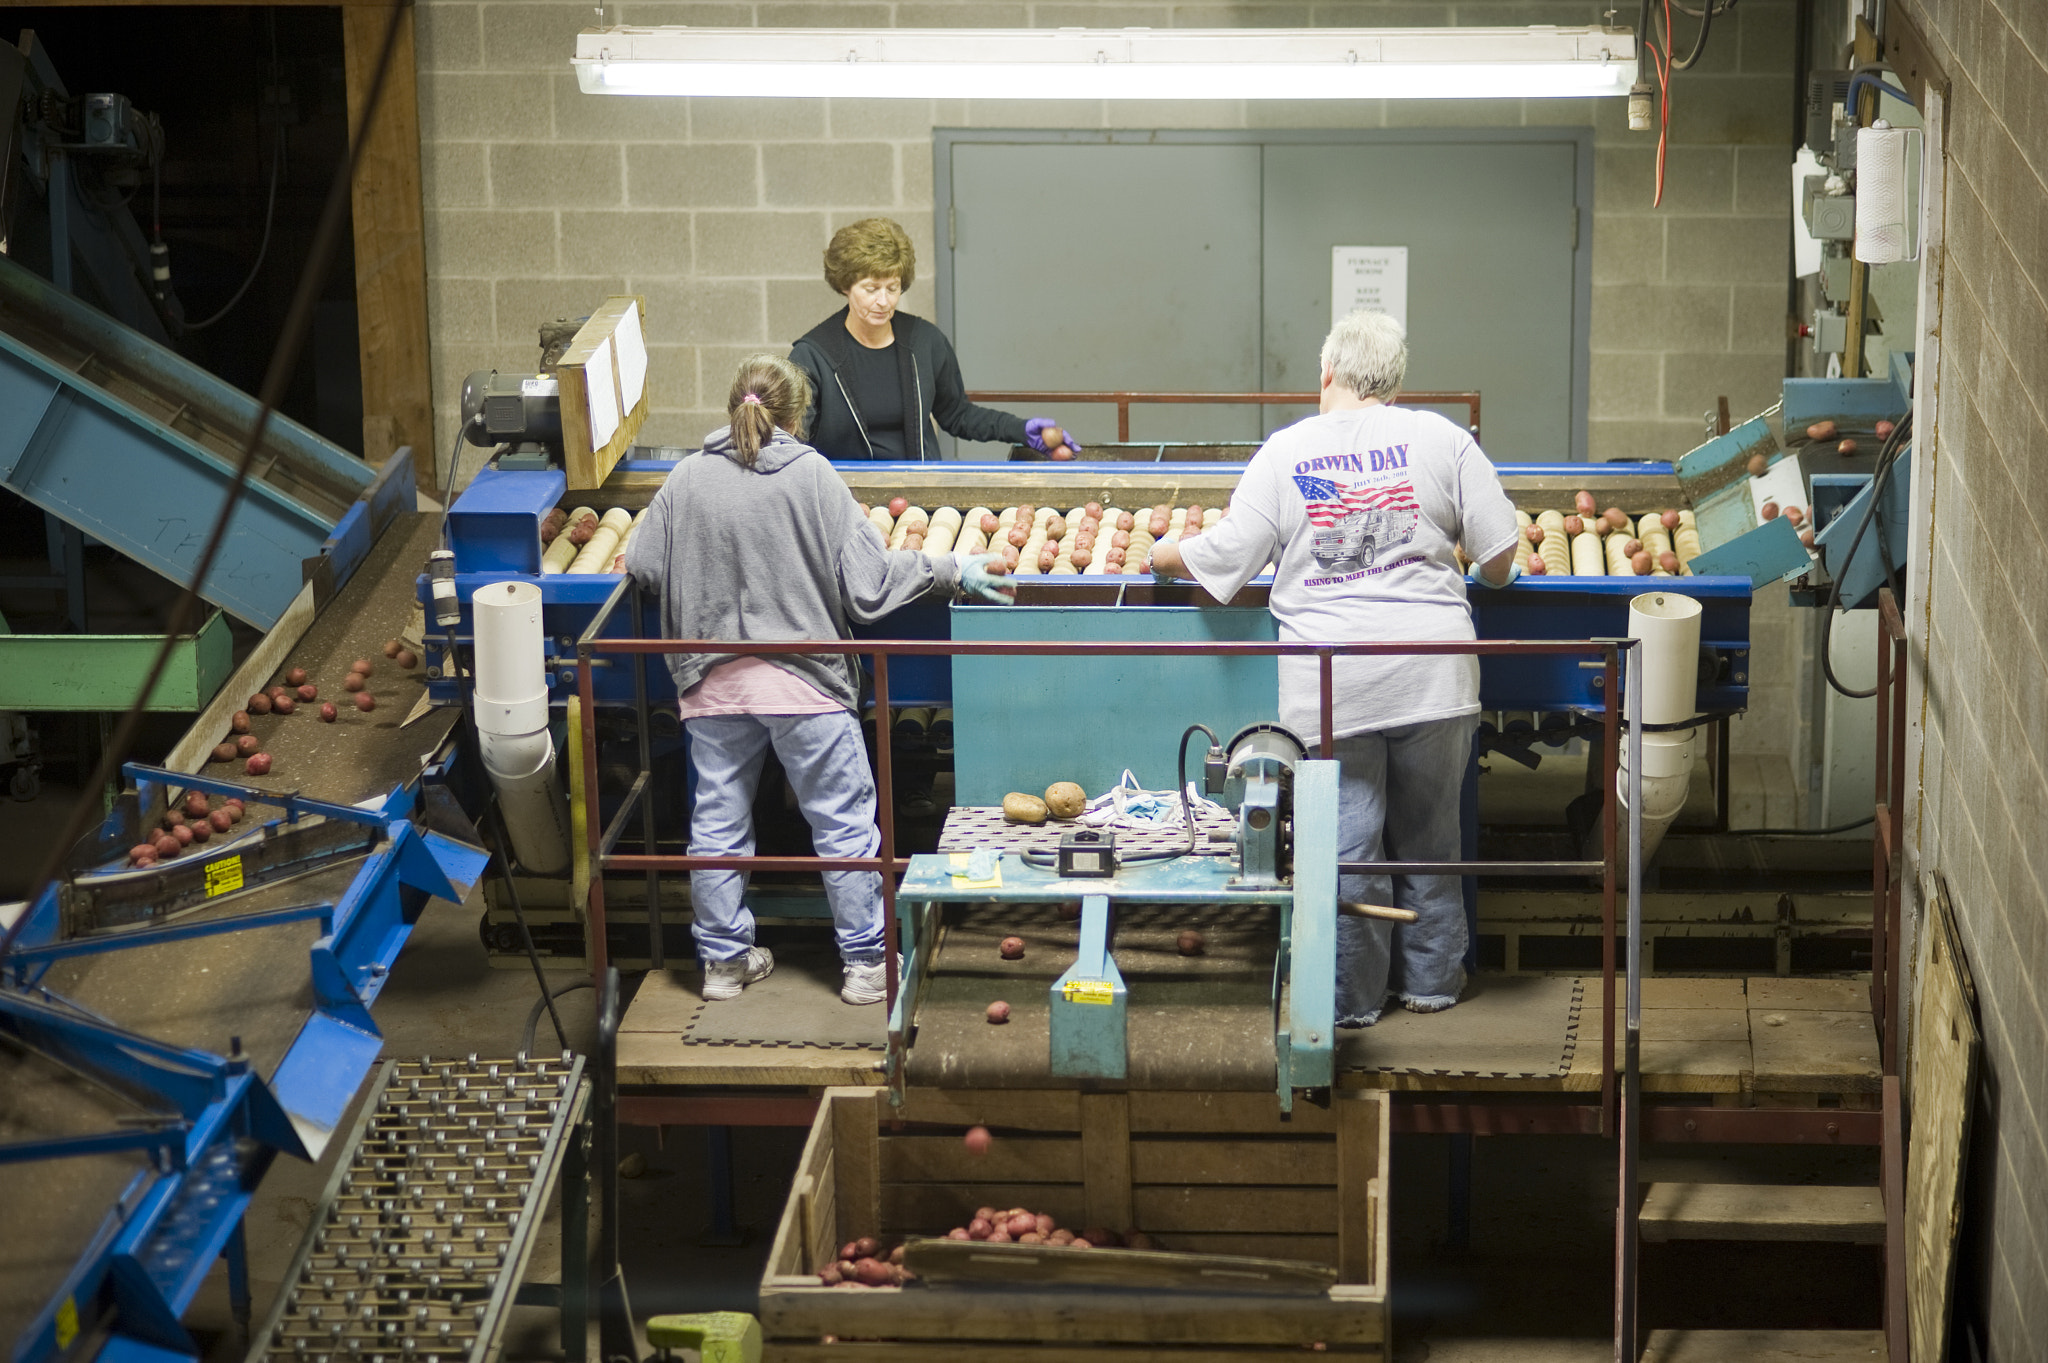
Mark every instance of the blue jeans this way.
pixel 1398 799
pixel 827 765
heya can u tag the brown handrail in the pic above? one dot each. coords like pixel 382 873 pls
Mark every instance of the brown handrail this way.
pixel 1123 398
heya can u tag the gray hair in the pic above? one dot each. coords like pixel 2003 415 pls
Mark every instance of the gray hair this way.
pixel 1367 352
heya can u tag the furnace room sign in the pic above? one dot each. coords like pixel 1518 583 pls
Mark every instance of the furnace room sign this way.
pixel 1374 277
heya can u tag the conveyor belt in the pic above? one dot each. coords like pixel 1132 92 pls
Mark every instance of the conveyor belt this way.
pixel 420 1241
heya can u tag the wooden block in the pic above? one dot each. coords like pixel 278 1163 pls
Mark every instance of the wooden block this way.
pixel 1362 1152
pixel 1765 1346
pixel 1806 1050
pixel 589 373
pixel 1181 1161
pixel 856 1160
pixel 1106 1159
pixel 1693 1066
pixel 1011 1159
pixel 1759 1211
pixel 1770 993
pixel 1944 1052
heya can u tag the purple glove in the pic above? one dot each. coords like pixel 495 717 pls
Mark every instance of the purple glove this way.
pixel 1034 434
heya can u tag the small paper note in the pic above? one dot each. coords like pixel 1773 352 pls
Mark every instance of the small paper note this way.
pixel 981 869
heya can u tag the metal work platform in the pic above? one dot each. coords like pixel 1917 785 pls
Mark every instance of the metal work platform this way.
pixel 420 1241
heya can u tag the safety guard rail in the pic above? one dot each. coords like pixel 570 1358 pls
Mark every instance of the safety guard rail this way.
pixel 1124 398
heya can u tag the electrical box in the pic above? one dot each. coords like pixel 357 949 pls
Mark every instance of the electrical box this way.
pixel 1829 217
pixel 1830 332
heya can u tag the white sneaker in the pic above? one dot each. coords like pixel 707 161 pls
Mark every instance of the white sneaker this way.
pixel 725 979
pixel 864 984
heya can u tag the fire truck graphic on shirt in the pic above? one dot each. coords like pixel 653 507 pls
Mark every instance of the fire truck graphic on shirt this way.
pixel 1356 523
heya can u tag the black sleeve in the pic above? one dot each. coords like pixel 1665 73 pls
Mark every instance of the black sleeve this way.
pixel 805 357
pixel 954 413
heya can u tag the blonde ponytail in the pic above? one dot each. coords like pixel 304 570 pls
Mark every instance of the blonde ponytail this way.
pixel 768 392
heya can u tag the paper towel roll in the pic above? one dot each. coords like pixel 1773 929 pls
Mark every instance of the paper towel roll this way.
pixel 1883 161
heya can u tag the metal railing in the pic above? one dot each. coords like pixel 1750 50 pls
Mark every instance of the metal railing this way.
pixel 1124 398
pixel 1887 858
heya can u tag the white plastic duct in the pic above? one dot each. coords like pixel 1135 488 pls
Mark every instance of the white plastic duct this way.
pixel 1669 626
pixel 512 723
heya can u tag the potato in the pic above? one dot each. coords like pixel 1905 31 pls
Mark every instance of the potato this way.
pixel 1021 808
pixel 1846 447
pixel 365 702
pixel 201 831
pixel 182 835
pixel 898 505
pixel 284 705
pixel 1616 518
pixel 295 677
pixel 328 714
pixel 1668 561
pixel 977 1140
pixel 356 682
pixel 1884 429
pixel 168 846
pixel 141 850
pixel 221 820
pixel 872 1272
pixel 1670 519
pixel 1537 568
pixel 259 765
pixel 1023 1223
pixel 1769 511
pixel 1757 464
pixel 309 692
pixel 362 665
pixel 1640 562
pixel 1065 799
pixel 1583 503
pixel 1574 525
pixel 1189 943
pixel 1821 430
pixel 1011 949
pixel 259 704
pixel 239 722
pixel 248 744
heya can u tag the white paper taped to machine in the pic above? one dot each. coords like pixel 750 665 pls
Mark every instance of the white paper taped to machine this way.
pixel 1885 158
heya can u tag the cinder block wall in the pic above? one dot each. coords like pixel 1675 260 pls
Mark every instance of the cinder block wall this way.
pixel 540 200
pixel 1984 800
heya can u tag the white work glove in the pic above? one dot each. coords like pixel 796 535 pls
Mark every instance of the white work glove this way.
pixel 983 578
pixel 1514 571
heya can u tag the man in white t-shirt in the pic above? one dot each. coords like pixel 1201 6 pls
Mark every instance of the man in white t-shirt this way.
pixel 1361 509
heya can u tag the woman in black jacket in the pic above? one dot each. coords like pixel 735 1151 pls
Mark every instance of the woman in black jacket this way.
pixel 880 378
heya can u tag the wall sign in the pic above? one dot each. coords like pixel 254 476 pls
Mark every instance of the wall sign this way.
pixel 1374 277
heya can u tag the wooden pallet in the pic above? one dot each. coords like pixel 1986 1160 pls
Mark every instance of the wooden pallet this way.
pixel 1202 1173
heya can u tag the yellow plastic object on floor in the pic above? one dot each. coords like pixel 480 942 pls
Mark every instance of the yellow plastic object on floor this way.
pixel 718 1336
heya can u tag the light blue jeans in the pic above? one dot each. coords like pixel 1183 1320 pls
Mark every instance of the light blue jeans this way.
pixel 1398 799
pixel 827 765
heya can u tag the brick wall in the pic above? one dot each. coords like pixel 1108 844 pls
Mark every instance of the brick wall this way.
pixel 540 200
pixel 1983 806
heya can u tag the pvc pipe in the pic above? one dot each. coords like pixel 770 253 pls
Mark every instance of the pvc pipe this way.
pixel 512 723
pixel 1669 626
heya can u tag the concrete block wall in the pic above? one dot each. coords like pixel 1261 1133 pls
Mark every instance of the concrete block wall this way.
pixel 1984 761
pixel 540 200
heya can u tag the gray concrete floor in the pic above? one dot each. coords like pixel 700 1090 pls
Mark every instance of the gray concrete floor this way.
pixel 1534 1285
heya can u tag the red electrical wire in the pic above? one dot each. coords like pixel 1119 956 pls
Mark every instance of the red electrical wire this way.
pixel 1663 101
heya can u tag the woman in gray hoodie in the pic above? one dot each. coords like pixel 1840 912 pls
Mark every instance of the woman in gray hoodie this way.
pixel 758 538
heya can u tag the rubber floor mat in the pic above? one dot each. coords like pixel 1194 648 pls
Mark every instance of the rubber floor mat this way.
pixel 1506 1026
pixel 798 1005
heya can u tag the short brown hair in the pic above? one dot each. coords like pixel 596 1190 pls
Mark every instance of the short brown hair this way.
pixel 873 248
pixel 768 392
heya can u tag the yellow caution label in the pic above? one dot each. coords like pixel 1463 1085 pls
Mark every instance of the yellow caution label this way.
pixel 67 1322
pixel 1089 991
pixel 223 876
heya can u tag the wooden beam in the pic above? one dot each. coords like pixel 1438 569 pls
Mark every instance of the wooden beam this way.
pixel 390 242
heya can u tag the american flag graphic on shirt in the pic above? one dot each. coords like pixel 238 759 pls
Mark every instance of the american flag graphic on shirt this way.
pixel 1330 501
pixel 1354 522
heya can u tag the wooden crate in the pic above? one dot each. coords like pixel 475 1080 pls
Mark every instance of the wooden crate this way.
pixel 1219 1173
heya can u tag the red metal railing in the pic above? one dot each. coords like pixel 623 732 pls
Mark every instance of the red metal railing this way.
pixel 1886 989
pixel 1124 398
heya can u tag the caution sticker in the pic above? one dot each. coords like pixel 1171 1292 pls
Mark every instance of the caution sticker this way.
pixel 223 876
pixel 67 1322
pixel 1089 991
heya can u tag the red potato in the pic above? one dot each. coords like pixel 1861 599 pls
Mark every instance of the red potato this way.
pixel 1583 503
pixel 284 705
pixel 990 523
pixel 141 850
pixel 896 1256
pixel 1120 539
pixel 1575 525
pixel 580 533
pixel 1769 511
pixel 1796 515
pixel 356 682
pixel 391 647
pixel 1194 519
pixel 239 722
pixel 1757 464
pixel 1060 1237
pixel 144 863
pixel 168 847
pixel 182 834
pixel 1668 561
pixel 1081 558
pixel 259 765
pixel 234 810
pixel 1031 1237
pixel 276 692
pixel 1535 534
pixel 898 505
pixel 1884 429
pixel 247 744
pixel 1671 520
pixel 328 714
pixel 1027 512
pixel 1093 509
pixel 363 666
pixel 872 1272
pixel 1632 548
pixel 1011 948
pixel 200 831
pixel 867 1247
pixel 309 692
pixel 223 752
pixel 1079 1242
pixel 408 659
pixel 295 677
pixel 1115 557
pixel 1045 1224
pixel 977 1141
pixel 1640 561
pixel 1023 1223
pixel 1019 536
pixel 998 1013
pixel 1846 447
pixel 1821 430
pixel 1056 528
pixel 1616 518
pixel 172 818
pixel 220 820
pixel 1158 527
pixel 958 1233
pixel 1010 558
pixel 913 540
pixel 1189 943
pixel 1126 522
pixel 259 704
pixel 1047 557
pixel 1537 567
pixel 981 1226
pixel 365 702
pixel 829 1275
pixel 998 1236
pixel 1806 537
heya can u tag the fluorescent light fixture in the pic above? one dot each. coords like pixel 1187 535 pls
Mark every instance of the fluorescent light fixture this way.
pixel 1128 63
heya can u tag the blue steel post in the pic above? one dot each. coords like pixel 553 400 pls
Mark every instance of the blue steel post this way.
pixel 1312 969
pixel 1089 1003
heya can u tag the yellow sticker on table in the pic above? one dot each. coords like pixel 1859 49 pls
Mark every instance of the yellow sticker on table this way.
pixel 223 876
pixel 963 878
pixel 67 1322
pixel 1089 991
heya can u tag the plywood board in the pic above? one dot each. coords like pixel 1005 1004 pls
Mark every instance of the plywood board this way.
pixel 1759 1211
pixel 594 399
pixel 1944 1049
pixel 1833 996
pixel 1310 1161
pixel 1811 1051
pixel 1106 1159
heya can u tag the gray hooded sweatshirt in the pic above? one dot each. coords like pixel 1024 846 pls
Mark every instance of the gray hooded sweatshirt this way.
pixel 778 551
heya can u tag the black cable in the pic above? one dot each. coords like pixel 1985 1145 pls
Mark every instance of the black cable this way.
pixel 284 359
pixel 1699 43
pixel 1864 822
pixel 270 205
pixel 541 1005
pixel 1887 458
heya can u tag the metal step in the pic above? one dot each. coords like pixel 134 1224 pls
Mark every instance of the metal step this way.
pixel 136 446
pixel 1764 1346
pixel 418 1246
pixel 1762 1211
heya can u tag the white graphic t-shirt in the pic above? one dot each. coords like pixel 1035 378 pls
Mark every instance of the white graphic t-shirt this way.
pixel 1359 512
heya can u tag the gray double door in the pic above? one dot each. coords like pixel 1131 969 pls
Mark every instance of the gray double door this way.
pixel 1202 262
